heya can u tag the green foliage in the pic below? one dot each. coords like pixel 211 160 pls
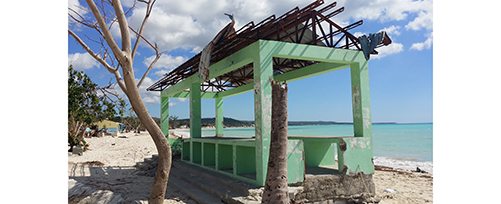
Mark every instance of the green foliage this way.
pixel 88 103
pixel 176 147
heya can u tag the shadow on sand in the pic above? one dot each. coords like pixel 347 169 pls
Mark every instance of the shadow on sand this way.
pixel 112 184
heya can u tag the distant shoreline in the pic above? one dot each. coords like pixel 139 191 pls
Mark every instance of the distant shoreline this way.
pixel 231 122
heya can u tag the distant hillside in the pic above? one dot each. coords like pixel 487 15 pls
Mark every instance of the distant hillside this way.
pixel 231 122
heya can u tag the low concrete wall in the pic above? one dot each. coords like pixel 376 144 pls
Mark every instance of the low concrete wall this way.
pixel 357 188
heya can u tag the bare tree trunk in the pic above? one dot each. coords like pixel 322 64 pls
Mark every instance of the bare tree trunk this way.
pixel 159 187
pixel 124 56
pixel 276 190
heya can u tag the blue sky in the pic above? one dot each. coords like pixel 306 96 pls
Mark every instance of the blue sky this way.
pixel 400 78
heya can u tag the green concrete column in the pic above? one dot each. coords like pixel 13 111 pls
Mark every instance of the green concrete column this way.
pixel 219 117
pixel 263 74
pixel 360 99
pixel 164 115
pixel 195 111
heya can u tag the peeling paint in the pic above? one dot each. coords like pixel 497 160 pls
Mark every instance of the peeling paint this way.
pixel 359 143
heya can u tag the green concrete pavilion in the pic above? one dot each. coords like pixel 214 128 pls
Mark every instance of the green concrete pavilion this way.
pixel 246 159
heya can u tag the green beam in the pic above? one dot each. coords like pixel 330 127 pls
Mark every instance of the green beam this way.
pixel 219 117
pixel 237 90
pixel 228 64
pixel 181 86
pixel 311 52
pixel 164 115
pixel 263 75
pixel 360 99
pixel 309 71
pixel 186 94
pixel 275 49
pixel 195 111
pixel 304 72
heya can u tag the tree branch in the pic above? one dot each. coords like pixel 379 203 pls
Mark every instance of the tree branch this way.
pixel 106 32
pixel 123 24
pixel 87 48
pixel 100 60
pixel 149 7
pixel 157 56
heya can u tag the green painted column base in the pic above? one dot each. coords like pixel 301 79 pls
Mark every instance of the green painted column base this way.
pixel 355 155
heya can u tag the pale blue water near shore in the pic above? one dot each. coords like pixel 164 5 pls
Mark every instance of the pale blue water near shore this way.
pixel 398 145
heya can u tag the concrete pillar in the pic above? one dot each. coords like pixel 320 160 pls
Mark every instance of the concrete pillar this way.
pixel 195 111
pixel 263 75
pixel 164 115
pixel 219 117
pixel 360 99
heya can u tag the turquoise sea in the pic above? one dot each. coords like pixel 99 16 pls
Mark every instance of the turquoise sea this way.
pixel 401 142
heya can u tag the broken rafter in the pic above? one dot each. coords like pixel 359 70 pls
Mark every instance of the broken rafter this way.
pixel 309 25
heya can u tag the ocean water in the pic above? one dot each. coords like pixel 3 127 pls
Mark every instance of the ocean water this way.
pixel 399 145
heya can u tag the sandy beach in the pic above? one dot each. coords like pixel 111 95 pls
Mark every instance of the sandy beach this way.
pixel 107 172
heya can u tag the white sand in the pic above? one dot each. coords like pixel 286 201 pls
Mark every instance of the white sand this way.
pixel 118 151
pixel 116 179
pixel 119 155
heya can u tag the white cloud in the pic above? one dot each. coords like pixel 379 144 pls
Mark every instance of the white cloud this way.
pixel 358 34
pixel 191 25
pixel 152 97
pixel 166 61
pixel 391 49
pixel 383 10
pixel 392 30
pixel 427 44
pixel 76 6
pixel 82 61
pixel 424 20
pixel 165 64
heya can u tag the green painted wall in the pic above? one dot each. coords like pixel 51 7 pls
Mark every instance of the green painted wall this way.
pixel 319 153
pixel 185 154
pixel 246 161
pixel 225 157
pixel 209 153
pixel 295 161
pixel 197 152
pixel 358 155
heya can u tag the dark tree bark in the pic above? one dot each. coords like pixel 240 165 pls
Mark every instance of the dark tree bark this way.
pixel 276 190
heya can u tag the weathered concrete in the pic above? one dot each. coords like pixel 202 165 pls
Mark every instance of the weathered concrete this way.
pixel 357 188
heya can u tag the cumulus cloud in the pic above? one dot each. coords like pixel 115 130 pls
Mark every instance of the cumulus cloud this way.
pixel 424 20
pixel 383 10
pixel 165 64
pixel 77 7
pixel 427 44
pixel 391 49
pixel 392 30
pixel 191 25
pixel 152 97
pixel 82 61
pixel 166 61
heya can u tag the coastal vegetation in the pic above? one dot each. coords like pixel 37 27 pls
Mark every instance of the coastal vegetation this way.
pixel 87 105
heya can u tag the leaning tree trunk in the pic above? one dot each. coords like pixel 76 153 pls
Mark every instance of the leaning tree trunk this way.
pixel 276 190
pixel 159 186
